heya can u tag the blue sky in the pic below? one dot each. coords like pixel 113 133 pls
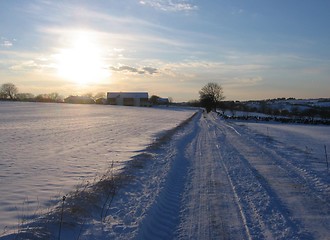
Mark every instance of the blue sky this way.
pixel 256 49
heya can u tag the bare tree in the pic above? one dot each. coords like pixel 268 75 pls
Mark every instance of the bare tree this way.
pixel 100 98
pixel 55 97
pixel 154 99
pixel 100 95
pixel 25 96
pixel 88 94
pixel 210 96
pixel 8 90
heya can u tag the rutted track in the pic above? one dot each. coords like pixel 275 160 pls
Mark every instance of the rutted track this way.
pixel 224 184
pixel 163 216
pixel 198 200
pixel 280 202
pixel 210 209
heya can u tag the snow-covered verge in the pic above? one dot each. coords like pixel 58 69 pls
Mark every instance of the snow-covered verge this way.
pixel 310 139
pixel 208 179
pixel 284 191
pixel 48 149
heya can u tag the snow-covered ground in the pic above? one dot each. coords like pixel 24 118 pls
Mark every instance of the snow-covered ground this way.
pixel 310 139
pixel 46 149
pixel 208 179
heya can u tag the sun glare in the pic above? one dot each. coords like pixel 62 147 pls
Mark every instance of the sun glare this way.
pixel 82 63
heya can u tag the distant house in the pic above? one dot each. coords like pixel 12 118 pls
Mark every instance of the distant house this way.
pixel 79 100
pixel 128 98
pixel 163 101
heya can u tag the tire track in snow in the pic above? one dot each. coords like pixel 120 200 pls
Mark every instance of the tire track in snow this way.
pixel 214 190
pixel 163 217
pixel 209 209
pixel 269 206
pixel 293 190
pixel 295 167
pixel 247 230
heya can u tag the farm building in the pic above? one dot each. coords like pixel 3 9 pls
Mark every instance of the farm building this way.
pixel 128 98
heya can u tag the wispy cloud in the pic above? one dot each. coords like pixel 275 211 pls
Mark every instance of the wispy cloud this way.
pixel 25 61
pixel 218 67
pixel 170 5
pixel 245 81
pixel 6 43
pixel 37 64
pixel 26 66
pixel 128 69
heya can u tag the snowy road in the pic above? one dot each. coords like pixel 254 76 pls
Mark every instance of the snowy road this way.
pixel 238 185
pixel 281 200
pixel 216 180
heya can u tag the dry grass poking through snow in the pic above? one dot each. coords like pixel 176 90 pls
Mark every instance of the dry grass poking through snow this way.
pixel 90 200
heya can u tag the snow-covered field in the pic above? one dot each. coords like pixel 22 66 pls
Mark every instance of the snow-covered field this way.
pixel 209 179
pixel 310 139
pixel 46 149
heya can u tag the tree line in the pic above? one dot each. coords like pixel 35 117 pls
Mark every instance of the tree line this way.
pixel 9 92
pixel 267 107
pixel 210 96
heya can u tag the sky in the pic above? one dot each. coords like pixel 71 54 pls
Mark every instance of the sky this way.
pixel 255 49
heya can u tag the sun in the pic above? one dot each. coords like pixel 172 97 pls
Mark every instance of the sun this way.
pixel 82 62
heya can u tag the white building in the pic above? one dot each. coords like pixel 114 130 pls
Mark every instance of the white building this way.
pixel 128 98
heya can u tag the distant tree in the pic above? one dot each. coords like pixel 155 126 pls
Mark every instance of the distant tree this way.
pixel 154 99
pixel 325 113
pixel 89 95
pixel 231 106
pixel 49 97
pixel 295 111
pixel 210 96
pixel 311 113
pixel 101 101
pixel 100 98
pixel 2 95
pixel 264 106
pixel 100 95
pixel 42 98
pixel 25 96
pixel 194 103
pixel 8 90
pixel 55 97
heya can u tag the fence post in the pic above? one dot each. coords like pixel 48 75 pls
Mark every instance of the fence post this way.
pixel 326 156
